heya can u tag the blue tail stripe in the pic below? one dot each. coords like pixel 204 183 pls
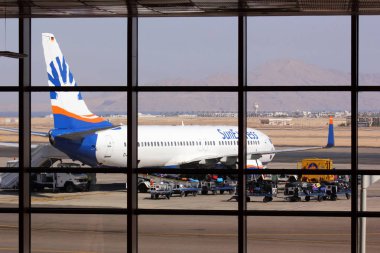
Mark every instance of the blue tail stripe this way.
pixel 330 138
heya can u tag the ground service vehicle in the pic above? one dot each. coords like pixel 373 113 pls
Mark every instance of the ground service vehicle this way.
pixel 69 182
pixel 215 187
pixel 316 164
pixel 162 189
pixel 143 185
pixel 262 188
pixel 185 190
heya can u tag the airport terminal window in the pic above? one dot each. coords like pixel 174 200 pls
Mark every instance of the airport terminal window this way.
pixel 94 60
pixel 8 66
pixel 216 219
pixel 369 51
pixel 368 130
pixel 211 58
pixel 298 51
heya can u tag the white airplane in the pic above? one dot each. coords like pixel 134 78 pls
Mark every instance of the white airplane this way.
pixel 94 141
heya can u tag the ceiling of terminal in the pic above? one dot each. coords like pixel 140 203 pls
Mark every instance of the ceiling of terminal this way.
pixel 118 8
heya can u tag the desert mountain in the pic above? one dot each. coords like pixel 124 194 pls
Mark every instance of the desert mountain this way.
pixel 280 72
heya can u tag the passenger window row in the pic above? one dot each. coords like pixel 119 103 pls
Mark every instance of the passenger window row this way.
pixel 189 143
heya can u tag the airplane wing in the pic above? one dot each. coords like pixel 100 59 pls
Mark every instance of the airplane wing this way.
pixel 16 130
pixel 77 135
pixel 70 135
pixel 203 159
pixel 192 158
pixel 9 144
pixel 14 145
pixel 212 159
pixel 198 158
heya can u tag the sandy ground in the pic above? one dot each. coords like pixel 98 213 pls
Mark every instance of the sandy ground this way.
pixel 302 132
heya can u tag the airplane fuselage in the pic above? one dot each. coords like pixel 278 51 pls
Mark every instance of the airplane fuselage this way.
pixel 167 146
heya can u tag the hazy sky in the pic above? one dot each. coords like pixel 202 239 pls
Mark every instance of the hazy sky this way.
pixel 188 49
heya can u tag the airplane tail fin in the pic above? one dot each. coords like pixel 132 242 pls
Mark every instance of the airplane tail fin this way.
pixel 330 137
pixel 68 107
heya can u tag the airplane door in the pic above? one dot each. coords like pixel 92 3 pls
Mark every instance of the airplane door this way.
pixel 109 147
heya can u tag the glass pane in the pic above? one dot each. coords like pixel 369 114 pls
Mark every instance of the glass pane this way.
pixel 298 192
pixel 95 50
pixel 9 189
pixel 9 42
pixel 373 231
pixel 182 191
pixel 78 190
pixel 9 120
pixel 186 129
pixel 79 233
pixel 369 130
pixel 369 191
pixel 76 144
pixel 369 51
pixel 298 120
pixel 187 234
pixel 299 50
pixel 9 232
pixel 188 51
pixel 86 111
pixel 298 234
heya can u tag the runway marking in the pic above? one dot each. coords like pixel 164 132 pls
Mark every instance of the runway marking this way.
pixel 7 226
pixel 258 238
pixel 10 249
pixel 9 199
pixel 48 250
pixel 191 234
pixel 249 234
pixel 67 197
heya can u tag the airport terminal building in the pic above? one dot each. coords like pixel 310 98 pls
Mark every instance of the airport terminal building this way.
pixel 189 63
